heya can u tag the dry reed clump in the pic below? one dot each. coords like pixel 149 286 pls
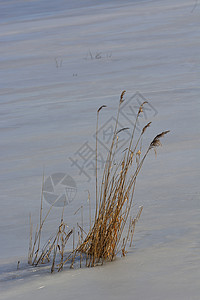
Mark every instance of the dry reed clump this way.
pixel 116 196
pixel 55 244
pixel 113 204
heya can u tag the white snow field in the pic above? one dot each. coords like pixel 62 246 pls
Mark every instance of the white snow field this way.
pixel 59 62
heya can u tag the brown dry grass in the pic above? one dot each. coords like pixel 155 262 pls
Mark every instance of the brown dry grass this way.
pixel 116 196
pixel 113 205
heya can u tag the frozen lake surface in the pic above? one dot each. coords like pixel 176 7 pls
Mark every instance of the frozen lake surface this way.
pixel 60 61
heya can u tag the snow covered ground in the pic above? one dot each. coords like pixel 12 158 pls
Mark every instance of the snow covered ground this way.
pixel 60 60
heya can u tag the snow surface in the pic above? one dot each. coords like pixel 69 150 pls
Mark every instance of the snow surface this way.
pixel 50 91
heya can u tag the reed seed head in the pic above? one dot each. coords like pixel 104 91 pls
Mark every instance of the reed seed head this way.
pixel 122 96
